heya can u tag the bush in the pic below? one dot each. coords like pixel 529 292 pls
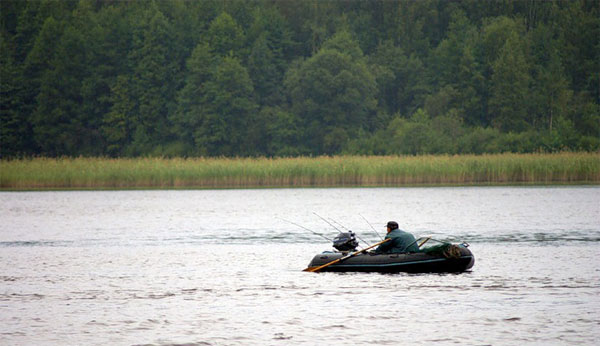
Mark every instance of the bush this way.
pixel 589 143
pixel 479 140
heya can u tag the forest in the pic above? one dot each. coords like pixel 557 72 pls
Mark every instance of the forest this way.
pixel 268 78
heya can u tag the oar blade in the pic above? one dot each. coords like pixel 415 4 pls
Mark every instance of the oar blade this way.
pixel 315 269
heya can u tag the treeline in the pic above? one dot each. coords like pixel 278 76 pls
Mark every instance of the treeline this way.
pixel 288 78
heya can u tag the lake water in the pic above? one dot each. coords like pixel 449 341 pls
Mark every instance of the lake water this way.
pixel 221 267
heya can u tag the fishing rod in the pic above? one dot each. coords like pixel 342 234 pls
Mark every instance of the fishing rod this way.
pixel 339 224
pixel 373 228
pixel 330 224
pixel 327 222
pixel 310 230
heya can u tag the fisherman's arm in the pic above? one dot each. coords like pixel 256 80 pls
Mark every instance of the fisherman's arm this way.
pixel 385 247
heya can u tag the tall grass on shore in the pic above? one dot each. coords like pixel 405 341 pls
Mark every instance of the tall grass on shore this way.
pixel 106 173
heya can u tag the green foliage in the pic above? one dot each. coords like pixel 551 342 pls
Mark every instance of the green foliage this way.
pixel 227 112
pixel 190 104
pixel 118 122
pixel 224 35
pixel 509 87
pixel 153 75
pixel 281 132
pixel 334 92
pixel 287 78
pixel 15 130
pixel 266 75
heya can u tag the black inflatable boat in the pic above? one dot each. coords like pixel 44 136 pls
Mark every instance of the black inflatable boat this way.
pixel 437 258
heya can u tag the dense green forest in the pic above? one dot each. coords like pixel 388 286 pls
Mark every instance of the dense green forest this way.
pixel 287 78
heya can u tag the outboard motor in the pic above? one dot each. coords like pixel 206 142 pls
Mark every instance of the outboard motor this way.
pixel 345 242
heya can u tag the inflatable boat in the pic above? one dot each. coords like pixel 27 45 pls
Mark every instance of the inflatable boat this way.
pixel 439 257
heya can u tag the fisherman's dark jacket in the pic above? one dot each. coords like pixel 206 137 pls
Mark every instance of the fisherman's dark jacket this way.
pixel 401 242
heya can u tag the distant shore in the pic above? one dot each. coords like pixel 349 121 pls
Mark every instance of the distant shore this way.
pixel 336 171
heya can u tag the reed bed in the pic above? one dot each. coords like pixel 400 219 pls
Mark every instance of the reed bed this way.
pixel 139 173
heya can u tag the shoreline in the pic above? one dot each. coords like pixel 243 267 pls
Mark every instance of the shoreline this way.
pixel 50 174
pixel 249 187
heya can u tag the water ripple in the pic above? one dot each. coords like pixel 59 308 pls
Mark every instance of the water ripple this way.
pixel 218 268
pixel 248 239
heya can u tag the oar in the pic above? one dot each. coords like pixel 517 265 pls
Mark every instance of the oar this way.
pixel 424 241
pixel 419 245
pixel 315 269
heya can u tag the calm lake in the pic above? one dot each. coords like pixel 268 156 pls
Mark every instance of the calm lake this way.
pixel 221 267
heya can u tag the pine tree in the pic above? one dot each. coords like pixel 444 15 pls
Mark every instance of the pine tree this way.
pixel 225 36
pixel 188 117
pixel 510 88
pixel 152 82
pixel 227 112
pixel 15 129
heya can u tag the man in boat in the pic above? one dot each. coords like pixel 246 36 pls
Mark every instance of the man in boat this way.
pixel 401 241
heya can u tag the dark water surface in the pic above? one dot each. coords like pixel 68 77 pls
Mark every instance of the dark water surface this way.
pixel 220 267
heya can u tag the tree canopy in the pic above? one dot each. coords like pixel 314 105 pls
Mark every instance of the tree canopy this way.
pixel 284 78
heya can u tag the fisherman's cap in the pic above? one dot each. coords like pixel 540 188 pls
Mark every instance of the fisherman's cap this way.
pixel 392 224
